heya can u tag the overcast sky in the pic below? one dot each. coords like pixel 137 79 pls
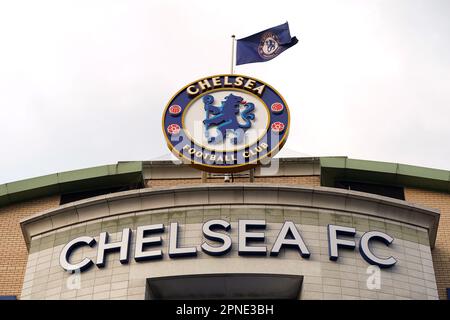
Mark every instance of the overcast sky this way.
pixel 84 83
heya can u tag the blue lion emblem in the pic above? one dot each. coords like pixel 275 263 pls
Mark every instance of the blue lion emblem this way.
pixel 225 117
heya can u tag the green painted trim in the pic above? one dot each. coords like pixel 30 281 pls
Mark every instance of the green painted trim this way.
pixel 128 173
pixel 121 174
pixel 334 168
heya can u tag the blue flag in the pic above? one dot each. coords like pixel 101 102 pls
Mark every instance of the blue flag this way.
pixel 264 45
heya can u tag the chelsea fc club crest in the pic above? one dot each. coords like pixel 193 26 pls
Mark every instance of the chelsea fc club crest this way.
pixel 269 45
pixel 226 123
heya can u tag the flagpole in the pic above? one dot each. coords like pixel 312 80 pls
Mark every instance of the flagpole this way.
pixel 232 53
pixel 228 175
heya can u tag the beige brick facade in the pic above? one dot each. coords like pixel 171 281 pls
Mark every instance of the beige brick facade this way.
pixel 441 252
pixel 412 278
pixel 309 181
pixel 13 251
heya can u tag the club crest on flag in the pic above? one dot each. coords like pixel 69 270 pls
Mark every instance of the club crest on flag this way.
pixel 226 123
pixel 268 48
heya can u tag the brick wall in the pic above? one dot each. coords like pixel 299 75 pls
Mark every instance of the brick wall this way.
pixel 13 251
pixel 441 252
pixel 310 181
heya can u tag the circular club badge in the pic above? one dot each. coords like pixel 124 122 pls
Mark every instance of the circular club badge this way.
pixel 226 123
pixel 269 45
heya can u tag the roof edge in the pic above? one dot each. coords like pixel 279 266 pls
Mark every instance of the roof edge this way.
pixel 333 168
pixel 127 173
pixel 120 174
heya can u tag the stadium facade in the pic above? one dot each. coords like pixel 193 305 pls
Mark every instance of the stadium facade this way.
pixel 301 228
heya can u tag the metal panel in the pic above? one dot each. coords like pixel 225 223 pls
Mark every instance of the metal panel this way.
pixel 225 286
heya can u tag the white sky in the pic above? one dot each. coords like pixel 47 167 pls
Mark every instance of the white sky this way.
pixel 84 83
